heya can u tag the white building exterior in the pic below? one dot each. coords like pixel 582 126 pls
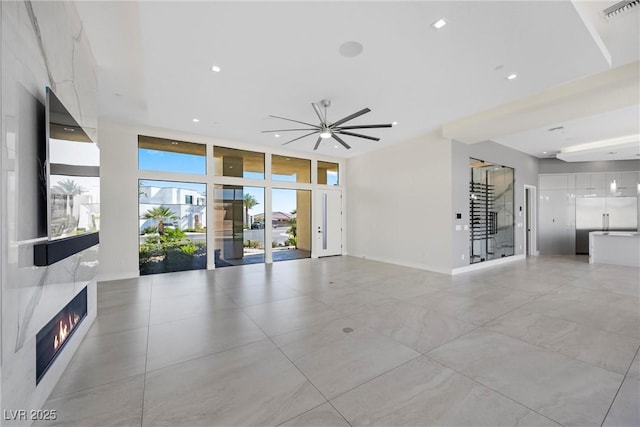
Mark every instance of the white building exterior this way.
pixel 188 205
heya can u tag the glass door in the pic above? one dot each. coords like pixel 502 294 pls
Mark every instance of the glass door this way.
pixel 491 211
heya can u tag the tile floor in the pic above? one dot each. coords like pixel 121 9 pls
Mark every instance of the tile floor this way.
pixel 344 341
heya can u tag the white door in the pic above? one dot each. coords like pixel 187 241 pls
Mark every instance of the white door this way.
pixel 329 229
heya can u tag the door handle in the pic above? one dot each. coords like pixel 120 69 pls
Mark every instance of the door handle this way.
pixel 604 227
pixel 607 222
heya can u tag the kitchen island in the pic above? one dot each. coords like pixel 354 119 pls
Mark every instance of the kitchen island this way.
pixel 614 247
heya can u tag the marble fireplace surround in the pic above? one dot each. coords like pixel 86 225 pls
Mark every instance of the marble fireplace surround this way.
pixel 43 44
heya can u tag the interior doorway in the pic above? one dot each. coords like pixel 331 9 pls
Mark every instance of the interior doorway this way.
pixel 530 222
pixel 329 228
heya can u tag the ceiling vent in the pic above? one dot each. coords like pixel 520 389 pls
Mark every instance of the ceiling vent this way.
pixel 620 8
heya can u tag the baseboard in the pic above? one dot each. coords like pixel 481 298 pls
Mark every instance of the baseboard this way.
pixel 487 264
pixel 117 276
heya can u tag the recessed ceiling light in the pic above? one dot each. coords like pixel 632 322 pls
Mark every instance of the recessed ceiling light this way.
pixel 215 69
pixel 335 146
pixel 544 152
pixel 174 143
pixel 439 23
pixel 277 135
pixel 394 124
pixel 196 120
pixel 512 76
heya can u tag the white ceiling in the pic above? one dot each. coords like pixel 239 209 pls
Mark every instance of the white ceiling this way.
pixel 154 64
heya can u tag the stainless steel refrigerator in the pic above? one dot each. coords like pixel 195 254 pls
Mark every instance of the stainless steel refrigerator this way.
pixel 603 214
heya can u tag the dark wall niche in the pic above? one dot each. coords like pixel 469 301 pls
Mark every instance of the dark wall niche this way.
pixel 53 251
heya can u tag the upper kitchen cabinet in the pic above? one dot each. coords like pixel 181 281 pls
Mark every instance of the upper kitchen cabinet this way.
pixel 622 184
pixel 590 185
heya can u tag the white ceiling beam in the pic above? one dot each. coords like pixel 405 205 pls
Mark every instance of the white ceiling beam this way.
pixel 608 91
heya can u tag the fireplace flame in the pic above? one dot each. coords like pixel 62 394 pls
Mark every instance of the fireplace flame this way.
pixel 64 329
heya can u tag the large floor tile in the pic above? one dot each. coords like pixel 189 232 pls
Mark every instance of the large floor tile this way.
pixel 287 315
pixel 335 361
pixel 120 318
pixel 604 349
pixel 185 339
pixel 184 306
pixel 250 385
pixel 564 389
pixel 115 404
pixel 118 295
pixel 597 309
pixel 322 416
pixel 625 410
pixel 616 283
pixel 634 369
pixel 103 359
pixel 425 393
pixel 475 310
pixel 348 300
pixel 259 294
pixel 414 326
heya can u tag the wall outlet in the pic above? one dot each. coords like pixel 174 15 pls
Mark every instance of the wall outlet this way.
pixel 466 227
pixel 458 227
pixel 462 256
pixel 520 246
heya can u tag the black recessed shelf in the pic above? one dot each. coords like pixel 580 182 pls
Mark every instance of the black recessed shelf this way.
pixel 50 252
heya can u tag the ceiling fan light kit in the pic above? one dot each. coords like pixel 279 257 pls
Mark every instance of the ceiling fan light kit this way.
pixel 327 129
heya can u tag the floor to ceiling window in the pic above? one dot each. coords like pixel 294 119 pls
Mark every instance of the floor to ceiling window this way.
pixel 172 214
pixel 261 209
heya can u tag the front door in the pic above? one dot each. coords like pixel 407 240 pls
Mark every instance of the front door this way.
pixel 329 228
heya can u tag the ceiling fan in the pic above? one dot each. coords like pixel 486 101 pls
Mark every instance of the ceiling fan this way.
pixel 326 129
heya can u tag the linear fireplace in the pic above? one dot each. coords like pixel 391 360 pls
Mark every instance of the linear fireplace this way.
pixel 54 335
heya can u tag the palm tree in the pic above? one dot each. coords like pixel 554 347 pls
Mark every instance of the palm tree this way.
pixel 160 214
pixel 68 188
pixel 248 201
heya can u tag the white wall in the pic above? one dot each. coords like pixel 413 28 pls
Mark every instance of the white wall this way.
pixel 42 44
pixel 119 190
pixel 399 204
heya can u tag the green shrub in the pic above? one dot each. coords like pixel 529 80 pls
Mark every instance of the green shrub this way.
pixel 274 244
pixel 189 249
pixel 293 241
pixel 152 249
pixel 172 235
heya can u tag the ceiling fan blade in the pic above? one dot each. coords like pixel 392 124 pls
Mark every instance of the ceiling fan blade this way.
pixel 337 138
pixel 300 137
pixel 316 108
pixel 285 130
pixel 295 121
pixel 317 143
pixel 350 117
pixel 365 126
pixel 359 135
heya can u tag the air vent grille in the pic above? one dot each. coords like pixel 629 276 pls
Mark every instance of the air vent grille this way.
pixel 620 8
